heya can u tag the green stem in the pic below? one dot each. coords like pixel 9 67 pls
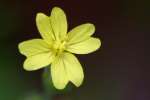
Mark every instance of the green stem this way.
pixel 47 84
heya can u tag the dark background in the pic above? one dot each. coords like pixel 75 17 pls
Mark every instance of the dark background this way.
pixel 118 71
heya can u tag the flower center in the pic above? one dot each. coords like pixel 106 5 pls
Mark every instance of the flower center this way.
pixel 59 47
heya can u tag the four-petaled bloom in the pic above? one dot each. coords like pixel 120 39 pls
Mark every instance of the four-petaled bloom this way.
pixel 56 48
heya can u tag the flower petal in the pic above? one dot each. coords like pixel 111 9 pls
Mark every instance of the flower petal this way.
pixel 33 47
pixel 58 73
pixel 74 69
pixel 81 33
pixel 38 61
pixel 89 45
pixel 59 23
pixel 44 27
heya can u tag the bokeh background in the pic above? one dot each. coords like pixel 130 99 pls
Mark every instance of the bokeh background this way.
pixel 118 71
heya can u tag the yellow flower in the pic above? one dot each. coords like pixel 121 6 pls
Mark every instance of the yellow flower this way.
pixel 56 48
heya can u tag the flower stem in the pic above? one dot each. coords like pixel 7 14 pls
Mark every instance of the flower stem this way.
pixel 47 84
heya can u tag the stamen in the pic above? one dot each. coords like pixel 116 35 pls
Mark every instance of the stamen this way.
pixel 59 47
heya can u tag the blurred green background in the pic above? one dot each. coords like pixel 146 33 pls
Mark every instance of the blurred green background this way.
pixel 118 71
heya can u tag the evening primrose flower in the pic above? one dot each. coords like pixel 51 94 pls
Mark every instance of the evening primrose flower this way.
pixel 57 47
